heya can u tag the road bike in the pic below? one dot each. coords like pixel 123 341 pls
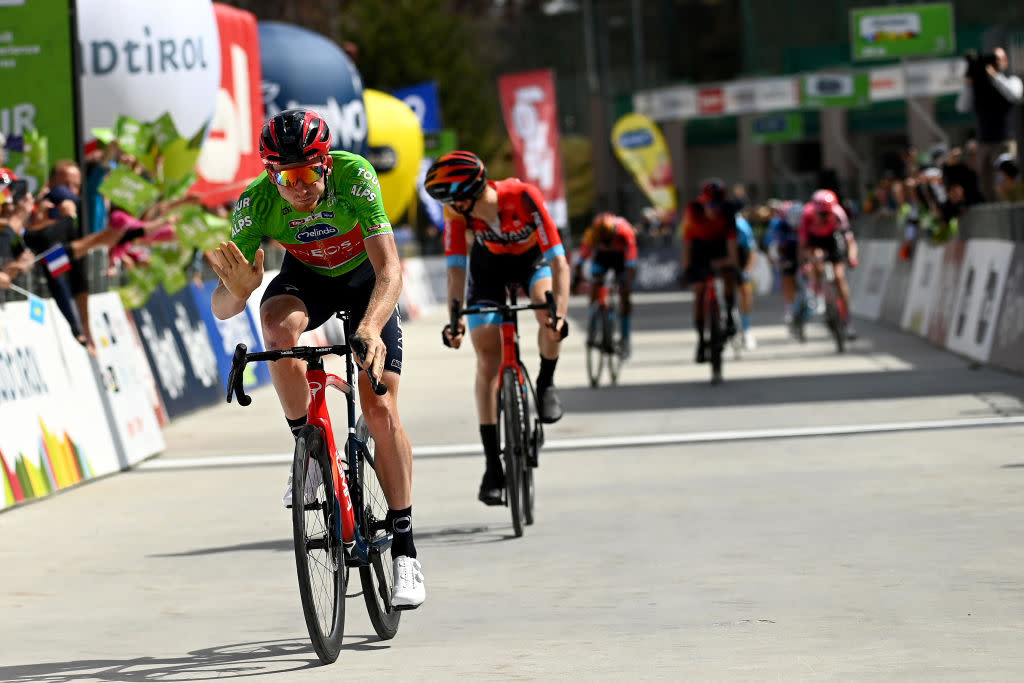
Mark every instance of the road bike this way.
pixel 835 307
pixel 604 335
pixel 802 307
pixel 520 431
pixel 339 511
pixel 714 326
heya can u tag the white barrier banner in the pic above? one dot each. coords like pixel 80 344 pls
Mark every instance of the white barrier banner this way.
pixel 924 284
pixel 869 279
pixel 128 379
pixel 51 436
pixel 982 279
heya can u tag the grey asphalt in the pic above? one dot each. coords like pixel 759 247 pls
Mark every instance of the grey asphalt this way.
pixel 861 556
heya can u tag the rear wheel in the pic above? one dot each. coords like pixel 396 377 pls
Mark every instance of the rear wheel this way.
pixel 510 405
pixel 595 340
pixel 612 344
pixel 834 320
pixel 319 557
pixel 378 580
pixel 529 459
pixel 716 335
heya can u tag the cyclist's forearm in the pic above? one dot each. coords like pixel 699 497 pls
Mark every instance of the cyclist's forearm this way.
pixel 224 304
pixel 384 297
pixel 560 284
pixel 456 284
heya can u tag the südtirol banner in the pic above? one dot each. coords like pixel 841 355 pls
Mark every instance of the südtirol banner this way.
pixel 640 146
pixel 531 116
pixel 36 70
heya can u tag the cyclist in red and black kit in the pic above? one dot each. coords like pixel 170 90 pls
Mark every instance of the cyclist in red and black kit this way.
pixel 611 241
pixel 825 227
pixel 710 241
pixel 515 241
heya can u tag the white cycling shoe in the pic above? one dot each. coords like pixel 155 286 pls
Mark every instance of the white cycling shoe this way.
pixel 409 590
pixel 313 480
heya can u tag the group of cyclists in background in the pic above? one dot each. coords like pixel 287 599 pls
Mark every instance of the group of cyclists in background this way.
pixel 324 207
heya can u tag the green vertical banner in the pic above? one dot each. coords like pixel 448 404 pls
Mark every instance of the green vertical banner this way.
pixel 893 32
pixel 36 69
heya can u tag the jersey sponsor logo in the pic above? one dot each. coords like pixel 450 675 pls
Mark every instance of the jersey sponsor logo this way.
pixel 314 233
pixel 243 204
pixel 491 235
pixel 240 223
pixel 286 210
pixel 320 215
pixel 368 176
pixel 330 253
pixel 397 364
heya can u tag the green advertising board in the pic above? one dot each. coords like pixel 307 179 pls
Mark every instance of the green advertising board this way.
pixel 902 31
pixel 836 90
pixel 37 73
pixel 777 128
pixel 438 142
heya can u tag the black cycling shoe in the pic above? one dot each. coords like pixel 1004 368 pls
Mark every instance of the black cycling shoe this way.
pixel 551 409
pixel 730 328
pixel 702 352
pixel 491 488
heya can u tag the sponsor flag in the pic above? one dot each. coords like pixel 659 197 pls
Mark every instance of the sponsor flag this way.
pixel 36 309
pixel 57 261
pixel 531 117
pixel 641 148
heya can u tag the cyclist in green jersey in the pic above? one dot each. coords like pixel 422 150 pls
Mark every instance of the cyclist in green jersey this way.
pixel 325 209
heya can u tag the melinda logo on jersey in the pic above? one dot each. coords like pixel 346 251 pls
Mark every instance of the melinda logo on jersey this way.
pixel 314 233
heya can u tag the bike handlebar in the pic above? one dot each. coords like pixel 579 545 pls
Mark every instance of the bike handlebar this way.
pixel 304 353
pixel 549 305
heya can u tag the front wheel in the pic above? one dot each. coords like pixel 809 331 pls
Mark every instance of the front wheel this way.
pixel 613 344
pixel 716 335
pixel 834 320
pixel 595 340
pixel 511 418
pixel 319 555
pixel 377 580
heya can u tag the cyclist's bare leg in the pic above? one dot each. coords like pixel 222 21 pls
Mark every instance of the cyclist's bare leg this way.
pixel 844 287
pixel 284 318
pixel 549 348
pixel 487 343
pixel 698 307
pixel 393 454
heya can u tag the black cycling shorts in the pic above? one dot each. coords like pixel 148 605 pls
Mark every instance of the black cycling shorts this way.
pixel 702 254
pixel 490 272
pixel 788 258
pixel 604 261
pixel 833 245
pixel 324 295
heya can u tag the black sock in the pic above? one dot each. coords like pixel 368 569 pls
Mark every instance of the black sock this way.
pixel 699 324
pixel 296 424
pixel 730 303
pixel 546 376
pixel 489 437
pixel 401 527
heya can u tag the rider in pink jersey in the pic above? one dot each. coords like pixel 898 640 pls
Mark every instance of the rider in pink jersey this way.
pixel 825 229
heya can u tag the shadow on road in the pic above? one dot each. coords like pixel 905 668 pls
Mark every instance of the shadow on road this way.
pixel 276 546
pixel 464 535
pixel 829 387
pixel 240 660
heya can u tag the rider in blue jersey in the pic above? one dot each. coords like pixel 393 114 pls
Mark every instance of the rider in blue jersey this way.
pixel 747 248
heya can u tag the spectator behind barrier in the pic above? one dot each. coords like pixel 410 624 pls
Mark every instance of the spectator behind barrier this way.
pixel 991 93
pixel 1009 186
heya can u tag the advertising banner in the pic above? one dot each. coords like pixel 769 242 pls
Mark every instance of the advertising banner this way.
pixel 946 297
pixel 53 433
pixel 899 31
pixel 302 68
pixel 141 59
pixel 868 281
pixel 425 102
pixel 710 101
pixel 230 158
pixel 667 104
pixel 1009 335
pixel 923 294
pixel 531 117
pixel 640 146
pixel 179 352
pixel 897 290
pixel 982 279
pixel 774 94
pixel 777 128
pixel 226 334
pixel 394 148
pixel 837 90
pixel 35 50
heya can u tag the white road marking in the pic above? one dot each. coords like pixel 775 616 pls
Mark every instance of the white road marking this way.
pixel 623 441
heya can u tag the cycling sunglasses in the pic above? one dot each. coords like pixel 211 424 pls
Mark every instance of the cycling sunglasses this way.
pixel 292 176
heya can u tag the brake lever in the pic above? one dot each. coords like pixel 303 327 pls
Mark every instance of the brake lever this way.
pixel 236 376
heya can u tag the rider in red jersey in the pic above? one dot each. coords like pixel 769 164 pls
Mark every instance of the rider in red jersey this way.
pixel 514 241
pixel 825 229
pixel 611 241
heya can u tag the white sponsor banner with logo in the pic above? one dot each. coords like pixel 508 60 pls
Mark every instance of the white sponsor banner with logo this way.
pixel 667 104
pixel 53 433
pixel 775 94
pixel 982 279
pixel 935 77
pixel 888 83
pixel 142 59
pixel 740 97
pixel 127 378
pixel 922 296
pixel 868 280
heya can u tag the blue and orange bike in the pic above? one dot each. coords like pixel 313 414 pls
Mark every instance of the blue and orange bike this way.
pixel 339 511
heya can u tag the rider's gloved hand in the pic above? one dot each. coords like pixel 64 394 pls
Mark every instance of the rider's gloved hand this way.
pixel 853 261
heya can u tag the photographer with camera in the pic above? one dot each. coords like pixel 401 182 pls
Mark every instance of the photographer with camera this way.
pixel 992 94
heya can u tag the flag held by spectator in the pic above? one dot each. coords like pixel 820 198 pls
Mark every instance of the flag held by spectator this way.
pixel 36 309
pixel 57 261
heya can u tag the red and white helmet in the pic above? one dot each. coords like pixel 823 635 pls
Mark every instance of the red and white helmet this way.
pixel 824 201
